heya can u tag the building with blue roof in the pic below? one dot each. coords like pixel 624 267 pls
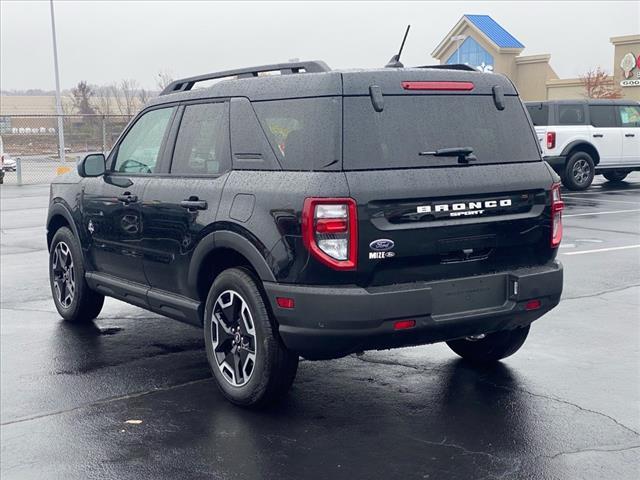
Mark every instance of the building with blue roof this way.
pixel 481 42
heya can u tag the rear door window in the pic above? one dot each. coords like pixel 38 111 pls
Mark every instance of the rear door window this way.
pixel 411 124
pixel 571 114
pixel 603 115
pixel 306 133
pixel 539 113
pixel 202 145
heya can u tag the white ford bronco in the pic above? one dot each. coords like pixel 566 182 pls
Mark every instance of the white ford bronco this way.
pixel 583 138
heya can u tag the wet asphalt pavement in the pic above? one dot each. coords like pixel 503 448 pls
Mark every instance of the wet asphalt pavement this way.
pixel 566 406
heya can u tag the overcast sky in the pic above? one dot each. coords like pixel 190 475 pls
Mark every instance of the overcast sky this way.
pixel 102 42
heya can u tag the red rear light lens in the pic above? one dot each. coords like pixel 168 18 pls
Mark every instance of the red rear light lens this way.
pixel 404 324
pixel 285 302
pixel 557 205
pixel 466 86
pixel 330 231
pixel 551 140
pixel 533 305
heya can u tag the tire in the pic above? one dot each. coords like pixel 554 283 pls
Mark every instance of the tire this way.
pixel 491 348
pixel 579 171
pixel 249 362
pixel 615 175
pixel 73 298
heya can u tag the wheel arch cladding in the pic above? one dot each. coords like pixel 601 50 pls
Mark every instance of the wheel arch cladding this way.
pixel 219 251
pixel 58 217
pixel 582 146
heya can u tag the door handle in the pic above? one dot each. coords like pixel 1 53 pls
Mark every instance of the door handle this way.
pixel 598 135
pixel 629 134
pixel 194 203
pixel 127 198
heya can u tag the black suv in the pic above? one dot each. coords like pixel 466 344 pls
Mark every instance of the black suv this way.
pixel 293 210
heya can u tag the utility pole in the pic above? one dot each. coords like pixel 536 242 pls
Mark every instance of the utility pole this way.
pixel 58 99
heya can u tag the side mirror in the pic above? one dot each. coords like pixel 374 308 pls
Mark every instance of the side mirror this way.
pixel 93 165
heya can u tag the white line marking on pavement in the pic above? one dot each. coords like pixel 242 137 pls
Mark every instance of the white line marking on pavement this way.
pixel 598 200
pixel 600 213
pixel 598 250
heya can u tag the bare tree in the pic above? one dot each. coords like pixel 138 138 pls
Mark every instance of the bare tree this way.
pixel 597 84
pixel 164 78
pixel 143 96
pixel 82 95
pixel 125 94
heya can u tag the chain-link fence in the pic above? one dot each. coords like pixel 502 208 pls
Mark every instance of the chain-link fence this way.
pixel 31 143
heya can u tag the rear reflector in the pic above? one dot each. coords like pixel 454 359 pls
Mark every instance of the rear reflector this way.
pixel 533 305
pixel 284 302
pixel 438 86
pixel 404 324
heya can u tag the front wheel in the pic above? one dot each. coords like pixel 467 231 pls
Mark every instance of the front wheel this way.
pixel 490 347
pixel 249 362
pixel 73 298
pixel 579 171
pixel 615 175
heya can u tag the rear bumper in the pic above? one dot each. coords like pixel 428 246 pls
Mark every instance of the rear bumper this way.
pixel 557 163
pixel 330 322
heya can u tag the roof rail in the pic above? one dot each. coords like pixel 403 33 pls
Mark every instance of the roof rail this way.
pixel 453 66
pixel 186 84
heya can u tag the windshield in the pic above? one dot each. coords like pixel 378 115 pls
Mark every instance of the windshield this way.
pixel 411 124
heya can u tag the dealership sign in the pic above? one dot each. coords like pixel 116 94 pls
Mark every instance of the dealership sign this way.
pixel 628 64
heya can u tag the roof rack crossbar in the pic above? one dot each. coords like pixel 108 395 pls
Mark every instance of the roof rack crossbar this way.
pixel 186 84
pixel 453 66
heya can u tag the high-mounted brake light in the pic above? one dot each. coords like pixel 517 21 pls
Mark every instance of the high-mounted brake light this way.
pixel 330 231
pixel 438 86
pixel 551 140
pixel 557 205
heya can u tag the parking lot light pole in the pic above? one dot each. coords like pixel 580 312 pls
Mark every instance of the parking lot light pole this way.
pixel 58 98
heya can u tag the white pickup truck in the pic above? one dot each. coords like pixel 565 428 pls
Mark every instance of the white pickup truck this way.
pixel 583 138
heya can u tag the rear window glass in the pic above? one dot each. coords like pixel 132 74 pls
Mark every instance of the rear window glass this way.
pixel 306 133
pixel 602 115
pixel 539 114
pixel 570 114
pixel 411 124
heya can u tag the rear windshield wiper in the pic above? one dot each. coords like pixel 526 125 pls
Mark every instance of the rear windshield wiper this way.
pixel 464 154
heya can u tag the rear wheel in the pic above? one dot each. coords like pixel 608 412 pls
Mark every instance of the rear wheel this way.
pixel 579 171
pixel 615 175
pixel 248 360
pixel 490 347
pixel 73 298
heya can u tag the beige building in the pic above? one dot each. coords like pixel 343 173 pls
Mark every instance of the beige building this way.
pixel 479 41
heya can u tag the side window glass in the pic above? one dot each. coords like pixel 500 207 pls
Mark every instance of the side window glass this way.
pixel 570 114
pixel 539 113
pixel 629 115
pixel 139 151
pixel 603 115
pixel 202 146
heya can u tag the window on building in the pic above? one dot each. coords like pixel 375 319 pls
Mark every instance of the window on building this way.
pixel 629 115
pixel 473 54
pixel 571 114
pixel 202 146
pixel 603 115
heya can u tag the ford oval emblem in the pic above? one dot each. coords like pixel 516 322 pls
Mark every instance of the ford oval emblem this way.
pixel 382 245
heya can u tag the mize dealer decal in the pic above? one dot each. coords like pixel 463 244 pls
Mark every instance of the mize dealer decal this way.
pixel 465 208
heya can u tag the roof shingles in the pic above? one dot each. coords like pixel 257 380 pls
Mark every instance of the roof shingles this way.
pixel 494 31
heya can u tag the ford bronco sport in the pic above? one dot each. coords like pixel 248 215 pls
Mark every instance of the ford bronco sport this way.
pixel 292 210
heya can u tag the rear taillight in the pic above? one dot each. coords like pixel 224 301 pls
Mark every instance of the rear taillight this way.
pixel 551 140
pixel 557 205
pixel 330 231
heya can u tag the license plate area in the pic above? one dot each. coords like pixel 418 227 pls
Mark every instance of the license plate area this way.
pixel 468 294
